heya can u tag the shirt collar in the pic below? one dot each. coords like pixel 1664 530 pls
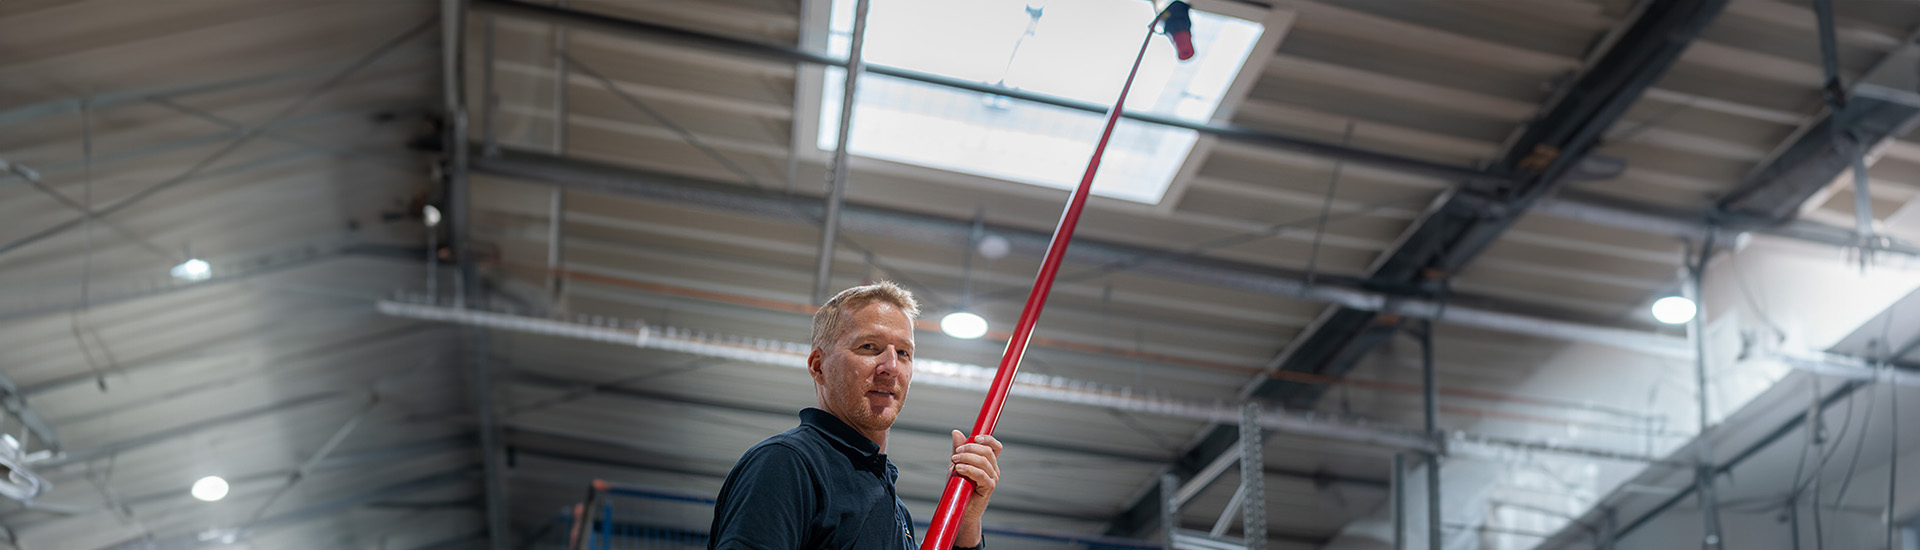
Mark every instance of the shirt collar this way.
pixel 856 446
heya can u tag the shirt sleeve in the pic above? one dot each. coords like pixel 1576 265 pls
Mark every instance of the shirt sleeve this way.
pixel 767 502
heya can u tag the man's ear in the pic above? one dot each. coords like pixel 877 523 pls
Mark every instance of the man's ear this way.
pixel 816 365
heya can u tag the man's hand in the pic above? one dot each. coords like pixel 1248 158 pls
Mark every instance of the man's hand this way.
pixel 979 462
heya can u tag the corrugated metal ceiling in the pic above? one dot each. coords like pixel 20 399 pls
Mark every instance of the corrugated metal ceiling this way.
pixel 311 219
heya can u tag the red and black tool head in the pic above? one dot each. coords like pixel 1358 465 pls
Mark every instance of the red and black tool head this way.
pixel 1178 26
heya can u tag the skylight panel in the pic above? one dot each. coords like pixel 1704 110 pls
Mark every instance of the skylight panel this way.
pixel 1073 49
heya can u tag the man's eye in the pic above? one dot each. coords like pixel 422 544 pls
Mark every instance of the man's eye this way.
pixel 868 347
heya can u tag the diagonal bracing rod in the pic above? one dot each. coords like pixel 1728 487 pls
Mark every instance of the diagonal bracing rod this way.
pixel 243 139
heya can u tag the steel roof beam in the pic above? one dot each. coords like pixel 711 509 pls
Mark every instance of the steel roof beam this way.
pixel 474 349
pixel 647 30
pixel 1400 300
pixel 1880 106
pixel 629 27
pixel 1825 151
pixel 1460 226
pixel 1620 215
pixel 1463 223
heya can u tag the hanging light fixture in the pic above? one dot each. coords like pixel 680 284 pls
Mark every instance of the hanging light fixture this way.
pixel 964 323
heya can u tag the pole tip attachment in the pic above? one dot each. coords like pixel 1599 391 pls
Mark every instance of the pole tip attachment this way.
pixel 1178 26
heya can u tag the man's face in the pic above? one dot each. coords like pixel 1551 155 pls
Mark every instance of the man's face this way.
pixel 862 377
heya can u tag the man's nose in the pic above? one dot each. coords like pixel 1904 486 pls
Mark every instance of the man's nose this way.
pixel 889 365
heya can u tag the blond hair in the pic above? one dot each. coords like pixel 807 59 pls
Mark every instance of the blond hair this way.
pixel 830 320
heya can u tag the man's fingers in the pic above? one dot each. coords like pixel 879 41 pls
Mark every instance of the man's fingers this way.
pixel 978 449
pixel 989 441
pixel 983 462
pixel 975 449
pixel 985 440
pixel 982 483
pixel 978 460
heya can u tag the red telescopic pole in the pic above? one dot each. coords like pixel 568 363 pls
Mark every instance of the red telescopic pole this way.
pixel 946 518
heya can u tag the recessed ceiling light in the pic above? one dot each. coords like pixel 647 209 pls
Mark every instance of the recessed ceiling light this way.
pixel 963 325
pixel 210 488
pixel 1673 310
pixel 193 270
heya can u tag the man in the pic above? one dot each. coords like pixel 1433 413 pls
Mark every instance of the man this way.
pixel 828 483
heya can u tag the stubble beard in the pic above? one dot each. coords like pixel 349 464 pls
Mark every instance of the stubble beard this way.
pixel 852 397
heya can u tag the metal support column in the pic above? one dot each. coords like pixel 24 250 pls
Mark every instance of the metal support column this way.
pixel 1433 502
pixel 556 240
pixel 1703 444
pixel 453 83
pixel 837 189
pixel 1432 414
pixel 1793 520
pixel 1399 490
pixel 1893 450
pixel 453 19
pixel 1169 509
pixel 1609 529
pixel 1253 488
pixel 560 85
pixel 433 253
pixel 489 99
pixel 481 377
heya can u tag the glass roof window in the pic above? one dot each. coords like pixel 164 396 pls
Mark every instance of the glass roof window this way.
pixel 1073 49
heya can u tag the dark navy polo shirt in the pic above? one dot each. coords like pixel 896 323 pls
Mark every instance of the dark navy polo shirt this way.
pixel 819 485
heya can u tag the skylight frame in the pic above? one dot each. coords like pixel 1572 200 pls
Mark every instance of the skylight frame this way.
pixel 809 90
